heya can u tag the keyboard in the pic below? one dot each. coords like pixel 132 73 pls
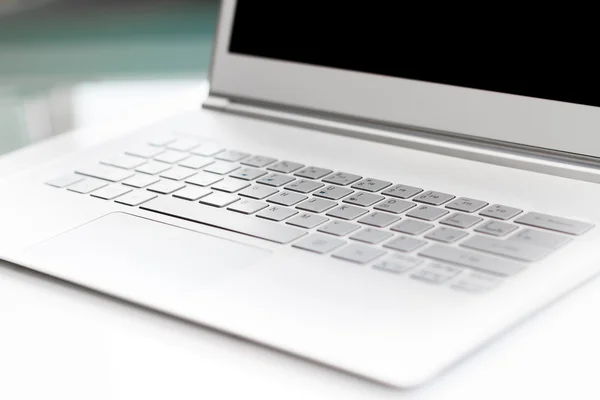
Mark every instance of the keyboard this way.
pixel 438 238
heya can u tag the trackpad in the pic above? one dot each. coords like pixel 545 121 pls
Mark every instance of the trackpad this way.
pixel 143 259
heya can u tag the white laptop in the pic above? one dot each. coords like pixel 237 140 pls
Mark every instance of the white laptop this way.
pixel 330 200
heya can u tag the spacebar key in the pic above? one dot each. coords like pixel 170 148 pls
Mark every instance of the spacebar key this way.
pixel 224 219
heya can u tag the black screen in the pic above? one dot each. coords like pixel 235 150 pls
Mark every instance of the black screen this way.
pixel 487 49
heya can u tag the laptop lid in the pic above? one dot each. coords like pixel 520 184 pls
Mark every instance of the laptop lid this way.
pixel 363 61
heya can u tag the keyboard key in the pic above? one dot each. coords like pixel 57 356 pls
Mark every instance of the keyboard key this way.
pixel 275 180
pixel 145 151
pixel 277 213
pixel 476 282
pixel 499 211
pixel 166 187
pixel 162 140
pixel 506 248
pixel 258 192
pixel 363 199
pixel 342 178
pixel 141 180
pixel 333 192
pixel 221 218
pixel 466 204
pixel 412 227
pixel 304 186
pixel 405 243
pixel 539 238
pixel 433 198
pixel 258 161
pixel 136 198
pixel 196 162
pixel 338 228
pixel 230 185
pixel 307 220
pixel 285 167
pixel 446 235
pixel 192 193
pixel 153 167
pixel 435 273
pixel 231 155
pixel 286 198
pixel 427 213
pixel 398 263
pixel 105 172
pixel 347 212
pixel 495 228
pixel 358 253
pixel 125 161
pixel 171 156
pixel 219 199
pixel 207 149
pixel 64 180
pixel 395 206
pixel 221 167
pixel 371 185
pixel 184 143
pixel 204 179
pixel 552 223
pixel 178 173
pixel 319 243
pixel 248 174
pixel 87 185
pixel 460 220
pixel 316 205
pixel 379 219
pixel 111 192
pixel 402 191
pixel 371 235
pixel 313 172
pixel 247 206
pixel 471 259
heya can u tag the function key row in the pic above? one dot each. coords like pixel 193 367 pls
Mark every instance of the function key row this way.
pixel 188 143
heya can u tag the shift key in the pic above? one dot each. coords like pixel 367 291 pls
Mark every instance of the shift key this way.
pixel 506 248
pixel 553 223
pixel 471 259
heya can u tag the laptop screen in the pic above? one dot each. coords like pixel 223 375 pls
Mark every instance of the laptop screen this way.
pixel 460 52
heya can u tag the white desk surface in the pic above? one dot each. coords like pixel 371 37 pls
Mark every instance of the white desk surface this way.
pixel 58 341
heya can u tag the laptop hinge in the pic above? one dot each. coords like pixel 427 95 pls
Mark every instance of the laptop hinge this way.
pixel 216 103
pixel 545 161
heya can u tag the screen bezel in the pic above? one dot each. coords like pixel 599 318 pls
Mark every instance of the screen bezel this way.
pixel 541 123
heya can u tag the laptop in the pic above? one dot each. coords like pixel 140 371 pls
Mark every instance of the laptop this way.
pixel 332 199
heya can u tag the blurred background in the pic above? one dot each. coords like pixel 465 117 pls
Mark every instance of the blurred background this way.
pixel 65 64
